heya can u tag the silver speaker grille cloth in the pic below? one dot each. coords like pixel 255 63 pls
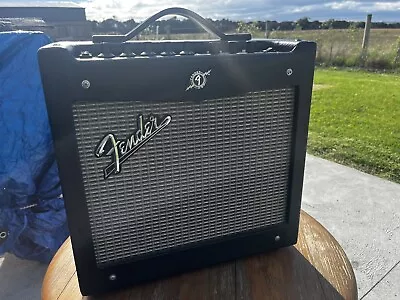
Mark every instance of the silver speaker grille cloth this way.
pixel 220 167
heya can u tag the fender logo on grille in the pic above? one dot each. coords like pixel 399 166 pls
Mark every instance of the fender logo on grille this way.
pixel 121 150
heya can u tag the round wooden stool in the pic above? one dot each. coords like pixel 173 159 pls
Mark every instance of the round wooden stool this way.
pixel 315 268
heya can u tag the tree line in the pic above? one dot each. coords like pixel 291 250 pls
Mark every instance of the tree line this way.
pixel 175 25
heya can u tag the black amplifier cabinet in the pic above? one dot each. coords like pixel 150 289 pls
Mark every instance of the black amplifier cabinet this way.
pixel 176 155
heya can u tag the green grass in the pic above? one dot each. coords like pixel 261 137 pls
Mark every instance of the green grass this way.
pixel 355 120
pixel 342 47
pixel 345 40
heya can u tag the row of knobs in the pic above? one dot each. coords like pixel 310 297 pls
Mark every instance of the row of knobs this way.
pixel 87 54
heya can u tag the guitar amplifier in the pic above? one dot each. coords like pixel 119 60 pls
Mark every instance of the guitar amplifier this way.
pixel 177 155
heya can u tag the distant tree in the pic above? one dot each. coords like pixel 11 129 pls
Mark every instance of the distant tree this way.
pixel 357 25
pixel 339 24
pixel 379 25
pixel 129 25
pixel 303 23
pixel 314 25
pixel 260 25
pixel 273 25
pixel 287 25
pixel 94 25
pixel 225 25
pixel 111 25
pixel 327 24
pixel 250 27
pixel 187 26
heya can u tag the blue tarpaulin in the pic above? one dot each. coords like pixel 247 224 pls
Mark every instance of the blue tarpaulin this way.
pixel 32 216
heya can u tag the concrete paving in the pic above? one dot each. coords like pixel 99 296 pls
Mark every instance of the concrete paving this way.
pixel 387 288
pixel 363 213
pixel 20 279
pixel 360 210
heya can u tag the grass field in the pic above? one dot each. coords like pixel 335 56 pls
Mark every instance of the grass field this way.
pixel 355 120
pixel 343 47
pixel 338 47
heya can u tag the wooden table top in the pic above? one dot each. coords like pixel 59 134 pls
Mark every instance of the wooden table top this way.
pixel 315 268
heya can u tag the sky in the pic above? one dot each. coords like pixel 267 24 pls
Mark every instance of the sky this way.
pixel 280 10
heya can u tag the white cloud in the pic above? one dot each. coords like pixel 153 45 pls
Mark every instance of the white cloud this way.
pixel 344 5
pixel 244 9
pixel 306 8
pixel 387 6
pixel 365 6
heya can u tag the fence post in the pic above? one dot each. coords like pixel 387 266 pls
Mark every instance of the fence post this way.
pixel 367 30
pixel 266 29
pixel 397 57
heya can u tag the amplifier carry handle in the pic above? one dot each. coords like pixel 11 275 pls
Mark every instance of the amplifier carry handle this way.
pixel 207 25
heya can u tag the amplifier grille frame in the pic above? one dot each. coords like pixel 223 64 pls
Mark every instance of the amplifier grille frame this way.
pixel 166 79
pixel 247 142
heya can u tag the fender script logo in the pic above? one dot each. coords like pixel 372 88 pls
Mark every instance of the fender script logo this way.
pixel 121 150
